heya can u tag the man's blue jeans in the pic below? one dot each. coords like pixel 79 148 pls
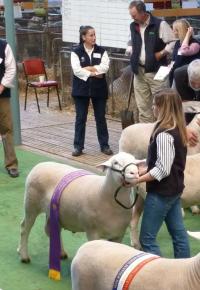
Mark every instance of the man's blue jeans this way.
pixel 158 209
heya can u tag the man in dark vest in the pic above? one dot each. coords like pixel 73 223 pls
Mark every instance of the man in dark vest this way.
pixel 7 74
pixel 152 39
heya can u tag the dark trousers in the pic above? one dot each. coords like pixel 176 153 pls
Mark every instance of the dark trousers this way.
pixel 99 106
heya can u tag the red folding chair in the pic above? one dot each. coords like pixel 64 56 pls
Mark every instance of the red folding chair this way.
pixel 35 67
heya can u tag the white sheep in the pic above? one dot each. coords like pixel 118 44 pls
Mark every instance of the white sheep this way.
pixel 97 263
pixel 135 138
pixel 86 205
pixel 190 196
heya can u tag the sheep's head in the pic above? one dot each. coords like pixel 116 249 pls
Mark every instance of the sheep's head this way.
pixel 124 168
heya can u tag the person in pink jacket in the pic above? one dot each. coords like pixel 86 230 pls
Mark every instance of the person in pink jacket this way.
pixel 186 48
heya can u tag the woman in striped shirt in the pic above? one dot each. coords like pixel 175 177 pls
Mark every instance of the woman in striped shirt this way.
pixel 164 176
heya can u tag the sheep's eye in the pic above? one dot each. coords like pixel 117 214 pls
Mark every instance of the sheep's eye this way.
pixel 116 163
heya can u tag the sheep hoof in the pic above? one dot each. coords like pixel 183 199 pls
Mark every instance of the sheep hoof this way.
pixel 26 260
pixel 136 245
pixel 196 212
pixel 63 256
pixel 195 209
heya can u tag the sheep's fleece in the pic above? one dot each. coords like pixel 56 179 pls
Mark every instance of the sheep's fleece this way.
pixel 97 263
pixel 86 205
pixel 135 138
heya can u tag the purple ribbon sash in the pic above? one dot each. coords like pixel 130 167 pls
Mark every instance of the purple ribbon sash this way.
pixel 55 242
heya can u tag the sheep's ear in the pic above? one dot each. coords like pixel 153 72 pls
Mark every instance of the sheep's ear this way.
pixel 141 163
pixel 104 165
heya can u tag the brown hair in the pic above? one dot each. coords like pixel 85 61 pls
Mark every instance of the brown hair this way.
pixel 83 30
pixel 170 112
pixel 139 5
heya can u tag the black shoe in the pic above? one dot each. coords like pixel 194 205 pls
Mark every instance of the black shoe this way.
pixel 107 151
pixel 77 152
pixel 13 172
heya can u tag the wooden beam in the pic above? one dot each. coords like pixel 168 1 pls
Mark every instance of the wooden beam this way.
pixel 176 12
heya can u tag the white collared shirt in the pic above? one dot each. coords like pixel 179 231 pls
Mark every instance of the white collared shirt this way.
pixel 89 51
pixel 165 33
pixel 10 68
pixel 165 156
pixel 84 74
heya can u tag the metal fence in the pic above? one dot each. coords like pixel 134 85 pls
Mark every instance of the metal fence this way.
pixel 119 76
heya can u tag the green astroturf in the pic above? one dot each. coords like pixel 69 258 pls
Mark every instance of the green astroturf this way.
pixel 17 276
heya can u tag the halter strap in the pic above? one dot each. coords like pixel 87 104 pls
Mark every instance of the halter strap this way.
pixel 122 171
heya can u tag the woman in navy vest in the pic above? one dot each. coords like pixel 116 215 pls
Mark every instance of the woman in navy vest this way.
pixel 164 176
pixel 186 48
pixel 90 63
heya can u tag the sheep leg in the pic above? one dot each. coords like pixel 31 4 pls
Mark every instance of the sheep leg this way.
pixel 81 278
pixel 26 226
pixel 183 212
pixel 136 213
pixel 195 209
pixel 47 224
pixel 63 254
pixel 92 235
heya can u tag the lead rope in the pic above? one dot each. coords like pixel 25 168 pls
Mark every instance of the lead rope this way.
pixel 121 204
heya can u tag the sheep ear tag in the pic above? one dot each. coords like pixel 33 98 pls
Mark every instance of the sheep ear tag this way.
pixel 103 166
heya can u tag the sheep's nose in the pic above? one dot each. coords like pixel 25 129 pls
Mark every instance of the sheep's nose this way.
pixel 134 173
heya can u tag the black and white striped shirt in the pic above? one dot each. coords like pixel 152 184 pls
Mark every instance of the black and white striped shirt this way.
pixel 165 156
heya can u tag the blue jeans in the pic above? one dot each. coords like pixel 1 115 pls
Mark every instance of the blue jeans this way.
pixel 158 209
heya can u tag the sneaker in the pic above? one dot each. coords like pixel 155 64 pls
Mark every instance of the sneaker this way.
pixel 77 152
pixel 13 172
pixel 107 151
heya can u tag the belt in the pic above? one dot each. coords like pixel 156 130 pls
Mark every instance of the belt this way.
pixel 142 65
